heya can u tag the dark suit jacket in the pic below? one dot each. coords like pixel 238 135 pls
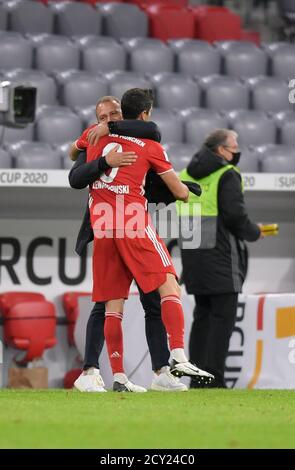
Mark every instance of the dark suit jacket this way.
pixel 83 174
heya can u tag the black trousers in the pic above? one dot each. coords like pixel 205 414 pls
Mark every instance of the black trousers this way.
pixel 214 320
pixel 155 332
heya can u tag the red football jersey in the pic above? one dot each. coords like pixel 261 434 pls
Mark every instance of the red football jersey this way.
pixel 123 188
pixel 82 142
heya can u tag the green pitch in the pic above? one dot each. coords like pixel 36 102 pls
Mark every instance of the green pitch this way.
pixel 194 419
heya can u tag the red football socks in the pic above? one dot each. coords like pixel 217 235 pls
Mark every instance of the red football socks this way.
pixel 173 319
pixel 114 339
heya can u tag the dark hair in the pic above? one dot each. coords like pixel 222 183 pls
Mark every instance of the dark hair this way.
pixel 135 101
pixel 217 138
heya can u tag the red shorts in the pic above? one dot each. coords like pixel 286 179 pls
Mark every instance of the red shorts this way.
pixel 117 261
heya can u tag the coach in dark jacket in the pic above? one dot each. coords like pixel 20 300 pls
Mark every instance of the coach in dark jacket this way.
pixel 215 272
pixel 83 174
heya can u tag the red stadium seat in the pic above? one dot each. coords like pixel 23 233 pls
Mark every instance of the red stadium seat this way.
pixel 252 36
pixel 70 377
pixel 170 22
pixel 70 305
pixel 9 299
pixel 30 326
pixel 216 23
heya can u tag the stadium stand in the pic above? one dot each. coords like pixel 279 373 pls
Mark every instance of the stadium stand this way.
pixel 57 53
pixel 83 90
pixel 66 162
pixel 123 21
pixel 170 21
pixel 26 147
pixel 30 17
pixel 176 92
pixel 283 61
pixel 133 43
pixel 198 123
pixel 170 124
pixel 70 306
pixel 10 134
pixel 254 127
pixel 37 39
pixel 103 54
pixel 61 156
pixel 3 18
pixel 26 313
pixel 74 51
pixel 180 154
pixel 5 159
pixel 48 160
pixel 15 51
pixel 244 60
pixel 197 58
pixel 213 23
pixel 276 150
pixel 286 10
pixel 151 58
pixel 225 45
pixel 21 324
pixel 119 82
pixel 94 2
pixel 251 36
pixel 178 44
pixel 146 3
pixel 34 155
pixel 287 129
pixel 63 150
pixel 249 163
pixel 65 75
pixel 77 19
pixel 57 125
pixel 9 299
pixel 87 115
pixel 280 157
pixel 269 94
pixel 224 93
pixel 284 163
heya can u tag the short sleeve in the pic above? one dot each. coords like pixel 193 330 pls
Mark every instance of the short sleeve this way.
pixel 82 142
pixel 159 160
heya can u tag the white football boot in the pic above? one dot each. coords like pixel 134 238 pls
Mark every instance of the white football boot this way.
pixel 180 369
pixel 166 382
pixel 90 382
pixel 123 384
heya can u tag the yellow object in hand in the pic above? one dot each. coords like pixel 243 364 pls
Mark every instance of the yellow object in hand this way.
pixel 270 229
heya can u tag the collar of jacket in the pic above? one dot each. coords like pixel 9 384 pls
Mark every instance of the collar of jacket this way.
pixel 205 162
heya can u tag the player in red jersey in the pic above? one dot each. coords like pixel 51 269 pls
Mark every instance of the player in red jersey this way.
pixel 126 245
